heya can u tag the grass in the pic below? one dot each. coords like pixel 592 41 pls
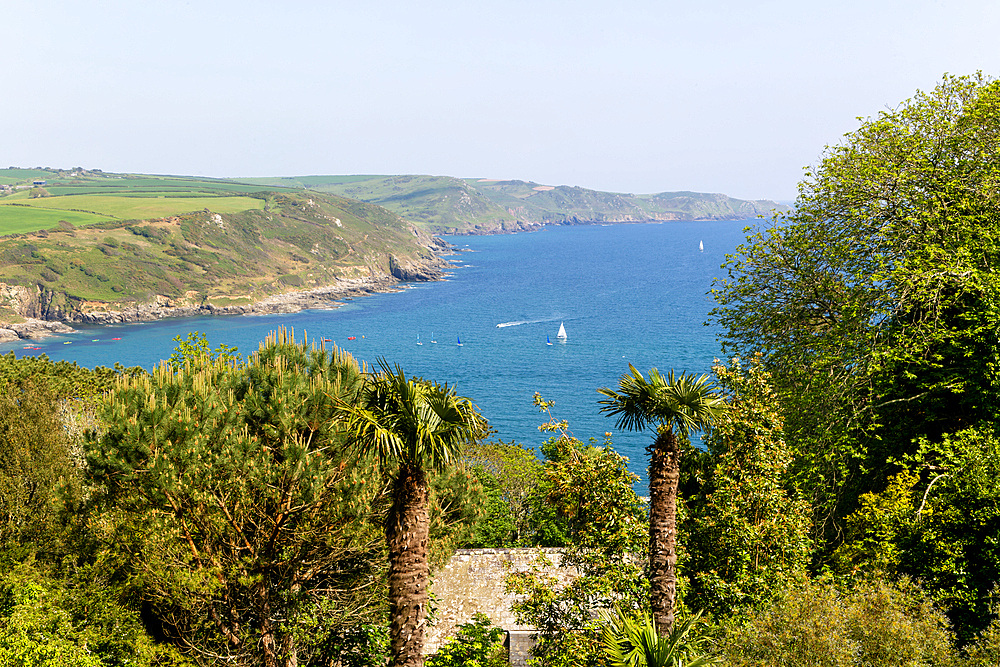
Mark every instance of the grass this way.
pixel 26 219
pixel 294 244
pixel 138 208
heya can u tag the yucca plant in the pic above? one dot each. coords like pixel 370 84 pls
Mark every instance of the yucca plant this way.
pixel 630 641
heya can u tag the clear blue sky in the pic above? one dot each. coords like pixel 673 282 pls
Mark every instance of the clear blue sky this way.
pixel 631 96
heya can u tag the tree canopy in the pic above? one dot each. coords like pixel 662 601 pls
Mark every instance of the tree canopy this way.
pixel 875 302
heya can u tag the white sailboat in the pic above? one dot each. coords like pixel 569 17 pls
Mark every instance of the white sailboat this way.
pixel 562 331
pixel 418 340
pixel 701 246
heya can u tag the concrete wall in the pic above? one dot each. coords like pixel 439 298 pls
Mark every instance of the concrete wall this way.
pixel 473 581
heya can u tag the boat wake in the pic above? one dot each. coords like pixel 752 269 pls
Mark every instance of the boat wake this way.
pixel 520 322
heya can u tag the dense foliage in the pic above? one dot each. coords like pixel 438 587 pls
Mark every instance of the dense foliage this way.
pixel 235 507
pixel 875 306
pixel 286 508
pixel 746 536
pixel 476 644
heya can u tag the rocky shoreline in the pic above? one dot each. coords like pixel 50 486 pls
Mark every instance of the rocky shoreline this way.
pixel 328 297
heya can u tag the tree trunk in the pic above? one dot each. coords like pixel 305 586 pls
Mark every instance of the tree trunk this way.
pixel 664 478
pixel 407 534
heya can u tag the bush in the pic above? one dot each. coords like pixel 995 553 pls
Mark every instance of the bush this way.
pixel 817 624
pixel 477 644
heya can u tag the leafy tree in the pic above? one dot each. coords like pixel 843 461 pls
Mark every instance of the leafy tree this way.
pixel 591 491
pixel 412 426
pixel 70 623
pixel 476 644
pixel 818 624
pixel 875 302
pixel 232 505
pixel 35 458
pixel 511 475
pixel 594 509
pixel 986 651
pixel 938 522
pixel 745 536
pixel 680 404
pixel 63 379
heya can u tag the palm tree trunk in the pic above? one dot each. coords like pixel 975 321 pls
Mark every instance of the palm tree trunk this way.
pixel 407 534
pixel 664 478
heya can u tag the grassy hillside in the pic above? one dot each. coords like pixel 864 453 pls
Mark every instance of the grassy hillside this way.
pixel 81 197
pixel 132 245
pixel 443 204
pixel 77 240
pixel 438 204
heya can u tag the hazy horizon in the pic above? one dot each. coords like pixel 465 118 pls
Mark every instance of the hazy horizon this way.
pixel 641 97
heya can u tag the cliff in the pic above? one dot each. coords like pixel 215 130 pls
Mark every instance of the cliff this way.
pixel 295 251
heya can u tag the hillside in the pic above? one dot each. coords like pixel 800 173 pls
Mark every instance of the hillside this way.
pixel 83 245
pixel 445 204
pixel 145 247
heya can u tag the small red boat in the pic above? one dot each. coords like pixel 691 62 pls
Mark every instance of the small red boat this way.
pixel 352 338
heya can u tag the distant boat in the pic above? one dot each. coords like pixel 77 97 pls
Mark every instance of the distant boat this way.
pixel 459 340
pixel 353 337
pixel 701 246
pixel 432 338
pixel 547 341
pixel 562 331
pixel 418 340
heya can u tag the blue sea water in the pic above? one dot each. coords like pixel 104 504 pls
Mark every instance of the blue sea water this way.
pixel 626 294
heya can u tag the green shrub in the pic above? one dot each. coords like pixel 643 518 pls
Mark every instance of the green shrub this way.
pixel 477 644
pixel 986 651
pixel 820 625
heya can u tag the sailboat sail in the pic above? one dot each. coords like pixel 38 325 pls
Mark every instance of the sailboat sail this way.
pixel 562 331
pixel 459 340
pixel 547 341
pixel 701 246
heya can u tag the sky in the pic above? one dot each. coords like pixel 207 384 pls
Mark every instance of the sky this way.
pixel 634 96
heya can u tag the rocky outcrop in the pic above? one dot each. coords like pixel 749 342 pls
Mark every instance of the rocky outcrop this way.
pixel 31 328
pixel 49 310
pixel 330 296
pixel 28 303
pixel 413 271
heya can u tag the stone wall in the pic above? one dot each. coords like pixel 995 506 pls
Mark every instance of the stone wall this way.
pixel 473 581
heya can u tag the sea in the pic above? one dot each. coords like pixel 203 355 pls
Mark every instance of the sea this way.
pixel 633 293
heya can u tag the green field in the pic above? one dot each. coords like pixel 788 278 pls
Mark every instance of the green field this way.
pixel 136 208
pixel 12 176
pixel 26 219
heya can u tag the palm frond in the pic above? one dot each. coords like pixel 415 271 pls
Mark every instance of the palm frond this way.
pixel 685 402
pixel 411 420
pixel 629 641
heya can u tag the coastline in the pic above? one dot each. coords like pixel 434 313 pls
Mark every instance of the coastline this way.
pixel 327 297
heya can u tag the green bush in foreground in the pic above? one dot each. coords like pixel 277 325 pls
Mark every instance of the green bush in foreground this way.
pixel 820 625
pixel 477 644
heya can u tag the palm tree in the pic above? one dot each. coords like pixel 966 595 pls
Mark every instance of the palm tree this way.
pixel 634 642
pixel 674 405
pixel 413 427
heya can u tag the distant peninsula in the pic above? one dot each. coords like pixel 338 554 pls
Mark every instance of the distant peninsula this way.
pixel 450 205
pixel 88 246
